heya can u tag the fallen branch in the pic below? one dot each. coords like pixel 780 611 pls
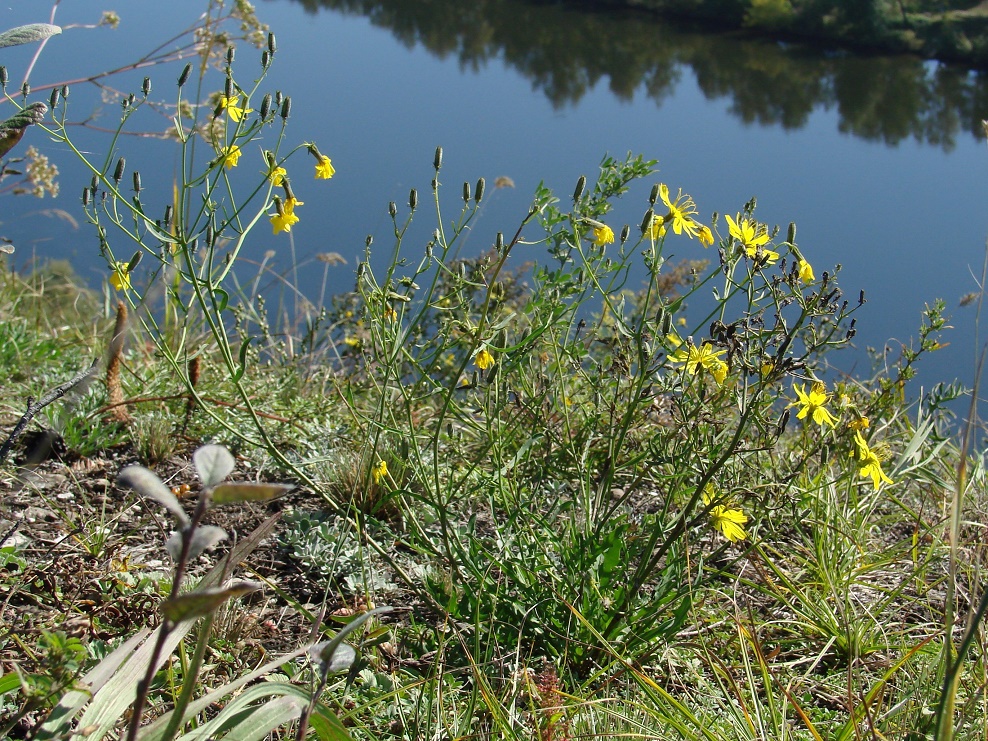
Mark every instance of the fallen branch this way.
pixel 33 407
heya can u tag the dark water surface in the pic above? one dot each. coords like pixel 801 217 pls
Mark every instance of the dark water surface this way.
pixel 880 161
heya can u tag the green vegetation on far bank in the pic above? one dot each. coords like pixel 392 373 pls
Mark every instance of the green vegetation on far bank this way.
pixel 949 30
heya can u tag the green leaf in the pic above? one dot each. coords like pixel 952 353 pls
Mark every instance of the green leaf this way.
pixel 223 299
pixel 227 493
pixel 145 483
pixel 27 34
pixel 203 537
pixel 327 651
pixel 204 601
pixel 213 464
pixel 243 361
pixel 9 683
pixel 13 128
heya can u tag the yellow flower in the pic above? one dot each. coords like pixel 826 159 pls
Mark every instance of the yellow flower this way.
pixel 602 235
pixel 681 212
pixel 291 203
pixel 704 357
pixel 389 313
pixel 230 155
pixel 812 404
pixel 120 277
pixel 236 112
pixel 277 175
pixel 483 359
pixel 752 236
pixel 859 423
pixel 657 228
pixel 283 222
pixel 379 471
pixel 705 236
pixel 324 168
pixel 805 271
pixel 871 463
pixel 729 520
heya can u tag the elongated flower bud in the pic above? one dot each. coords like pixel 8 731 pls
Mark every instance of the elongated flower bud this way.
pixel 53 100
pixel 86 195
pixel 134 261
pixel 647 220
pixel 118 173
pixel 286 108
pixel 265 106
pixel 3 77
pixel 625 233
pixel 25 89
pixel 791 236
pixel 272 44
pixel 466 192
pixel 393 209
pixel 146 87
pixel 478 192
pixel 186 73
pixel 231 54
pixel 413 199
pixel 437 162
pixel 228 87
pixel 580 185
pixel 137 181
pixel 265 59
pixel 65 92
pixel 654 195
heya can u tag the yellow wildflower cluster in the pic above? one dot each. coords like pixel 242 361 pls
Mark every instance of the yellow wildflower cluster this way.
pixel 725 517
pixel 681 213
pixel 699 358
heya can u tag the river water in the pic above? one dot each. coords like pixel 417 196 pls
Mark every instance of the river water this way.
pixel 880 161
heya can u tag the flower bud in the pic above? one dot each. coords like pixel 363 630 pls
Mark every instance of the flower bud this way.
pixel 265 106
pixel 65 92
pixel 654 195
pixel 146 87
pixel 647 221
pixel 53 100
pixel 580 185
pixel 393 209
pixel 437 162
pixel 86 195
pixel 286 108
pixel 137 181
pixel 272 44
pixel 369 240
pixel 265 59
pixel 478 192
pixel 119 171
pixel 186 73
pixel 861 298
pixel 277 99
pixel 499 242
pixel 625 233
pixel 168 215
pixel 466 192
pixel 25 89
pixel 780 427
pixel 210 234
pixel 665 326
pixel 231 53
pixel 94 183
pixel 3 76
pixel 134 261
pixel 791 235
pixel 413 199
pixel 228 86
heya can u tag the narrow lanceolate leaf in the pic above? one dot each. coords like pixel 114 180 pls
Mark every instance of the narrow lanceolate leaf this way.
pixel 27 34
pixel 202 538
pixel 213 464
pixel 148 485
pixel 203 602
pixel 227 493
pixel 13 128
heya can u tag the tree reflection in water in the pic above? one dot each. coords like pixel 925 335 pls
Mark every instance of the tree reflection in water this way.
pixel 565 52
